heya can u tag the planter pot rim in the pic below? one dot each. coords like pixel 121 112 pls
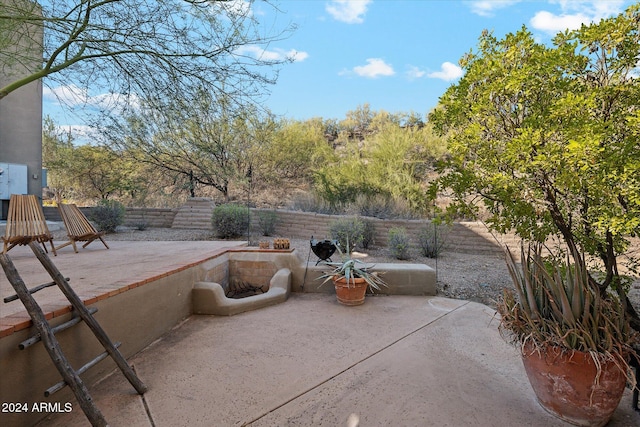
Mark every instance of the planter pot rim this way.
pixel 352 281
pixel 530 346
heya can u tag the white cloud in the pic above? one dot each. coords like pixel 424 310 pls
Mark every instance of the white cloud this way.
pixel 415 73
pixel 597 8
pixel 272 55
pixel 448 72
pixel 574 13
pixel 550 23
pixel 487 7
pixel 375 67
pixel 297 55
pixel 233 7
pixel 349 11
pixel 73 96
pixel 81 134
pixel 69 95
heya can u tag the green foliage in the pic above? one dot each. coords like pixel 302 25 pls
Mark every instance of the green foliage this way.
pixel 432 239
pixel 296 150
pixel 376 206
pixel 204 140
pixel 57 155
pixel 368 233
pixel 399 243
pixel 86 172
pixel 108 215
pixel 348 232
pixel 556 305
pixel 547 137
pixel 312 202
pixel 349 269
pixel 141 225
pixel 230 220
pixel 341 182
pixel 267 221
pixel 387 161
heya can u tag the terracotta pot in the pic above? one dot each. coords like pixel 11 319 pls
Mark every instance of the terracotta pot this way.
pixel 351 294
pixel 569 386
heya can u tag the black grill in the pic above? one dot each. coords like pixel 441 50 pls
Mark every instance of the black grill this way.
pixel 323 249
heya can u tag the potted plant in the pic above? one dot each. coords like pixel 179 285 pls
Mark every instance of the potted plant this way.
pixel 351 278
pixel 575 344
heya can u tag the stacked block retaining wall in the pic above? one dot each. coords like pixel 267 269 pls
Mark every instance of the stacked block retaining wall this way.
pixel 464 237
pixel 153 217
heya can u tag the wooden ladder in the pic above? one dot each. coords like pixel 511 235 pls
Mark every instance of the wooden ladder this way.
pixel 46 333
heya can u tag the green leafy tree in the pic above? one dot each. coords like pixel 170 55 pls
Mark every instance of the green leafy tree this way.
pixel 398 160
pixel 57 149
pixel 392 161
pixel 546 137
pixel 357 123
pixel 342 180
pixel 297 149
pixel 97 173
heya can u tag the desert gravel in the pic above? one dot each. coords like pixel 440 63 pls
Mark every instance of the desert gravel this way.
pixel 480 278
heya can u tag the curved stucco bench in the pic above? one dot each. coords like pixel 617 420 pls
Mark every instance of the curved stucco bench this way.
pixel 209 297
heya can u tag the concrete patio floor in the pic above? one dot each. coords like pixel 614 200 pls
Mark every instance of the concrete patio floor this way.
pixel 394 361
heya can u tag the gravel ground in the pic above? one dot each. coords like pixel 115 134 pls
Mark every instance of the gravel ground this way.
pixel 479 278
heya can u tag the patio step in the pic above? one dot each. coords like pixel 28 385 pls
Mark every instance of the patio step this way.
pixel 195 214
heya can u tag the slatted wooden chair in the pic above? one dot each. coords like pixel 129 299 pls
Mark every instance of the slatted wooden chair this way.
pixel 79 229
pixel 26 223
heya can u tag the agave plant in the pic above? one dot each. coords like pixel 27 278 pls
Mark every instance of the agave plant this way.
pixel 350 269
pixel 555 304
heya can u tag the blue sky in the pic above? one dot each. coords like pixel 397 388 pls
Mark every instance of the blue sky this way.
pixel 395 55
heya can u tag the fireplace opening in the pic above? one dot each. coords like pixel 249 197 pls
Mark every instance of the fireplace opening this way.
pixel 238 289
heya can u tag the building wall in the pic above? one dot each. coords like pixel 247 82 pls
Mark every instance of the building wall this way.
pixel 21 132
pixel 21 117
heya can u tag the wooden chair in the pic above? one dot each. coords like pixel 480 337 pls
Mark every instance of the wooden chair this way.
pixel 79 229
pixel 26 223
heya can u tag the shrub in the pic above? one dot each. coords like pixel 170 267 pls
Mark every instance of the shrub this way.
pixel 368 234
pixel 107 215
pixel 230 220
pixel 267 221
pixel 377 206
pixel 349 232
pixel 432 239
pixel 399 243
pixel 311 202
pixel 141 225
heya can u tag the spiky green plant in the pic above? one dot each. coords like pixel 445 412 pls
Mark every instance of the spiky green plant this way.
pixel 554 304
pixel 351 268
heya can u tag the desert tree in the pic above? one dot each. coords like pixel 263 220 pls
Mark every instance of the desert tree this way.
pixel 57 148
pixel 138 48
pixel 297 150
pixel 206 141
pixel 391 162
pixel 547 139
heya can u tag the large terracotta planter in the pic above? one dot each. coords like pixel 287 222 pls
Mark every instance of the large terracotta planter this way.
pixel 569 386
pixel 351 294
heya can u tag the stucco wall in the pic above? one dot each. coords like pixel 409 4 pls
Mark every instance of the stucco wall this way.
pixel 21 118
pixel 135 318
